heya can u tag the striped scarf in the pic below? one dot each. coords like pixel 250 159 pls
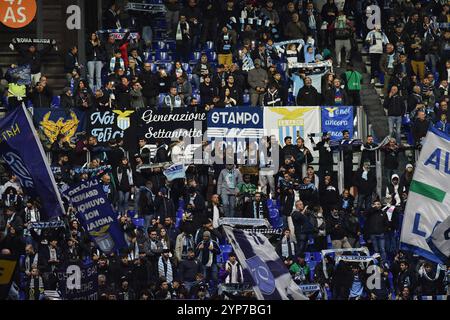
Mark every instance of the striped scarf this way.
pixel 235 274
pixel 165 269
pixel 247 62
pixel 112 64
pixel 285 252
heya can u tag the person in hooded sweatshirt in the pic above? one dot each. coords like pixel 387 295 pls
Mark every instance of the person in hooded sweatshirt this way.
pixel 406 179
pixel 308 94
pixel 393 189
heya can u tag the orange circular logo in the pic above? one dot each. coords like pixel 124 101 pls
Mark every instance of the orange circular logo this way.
pixel 17 13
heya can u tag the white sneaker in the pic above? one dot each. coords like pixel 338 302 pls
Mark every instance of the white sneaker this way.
pixel 372 81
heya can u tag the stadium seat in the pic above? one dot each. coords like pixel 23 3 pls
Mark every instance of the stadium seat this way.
pixel 161 99
pixel 317 256
pixel 186 67
pixel 246 99
pixel 212 56
pixel 162 56
pixel 139 222
pixel 56 102
pixel 160 46
pixel 196 96
pixel 209 46
pixel 171 45
pixel 168 66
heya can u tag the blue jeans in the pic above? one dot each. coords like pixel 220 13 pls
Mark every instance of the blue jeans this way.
pixel 95 71
pixel 379 244
pixel 229 205
pixel 364 200
pixel 391 243
pixel 397 122
pixel 211 274
pixel 122 205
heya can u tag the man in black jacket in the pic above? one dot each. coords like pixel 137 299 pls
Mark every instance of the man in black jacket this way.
pixel 366 182
pixel 308 95
pixel 335 227
pixel 150 87
pixel 303 226
pixel 420 127
pixel 325 155
pixel 396 109
pixel 336 96
pixel 41 97
pixel 375 228
pixel 256 209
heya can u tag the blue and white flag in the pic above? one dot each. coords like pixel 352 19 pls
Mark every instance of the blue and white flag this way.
pixel 96 214
pixel 428 203
pixel 271 278
pixel 337 119
pixel 175 171
pixel 22 151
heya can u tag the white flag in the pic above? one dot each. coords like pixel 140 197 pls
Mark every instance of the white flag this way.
pixel 428 200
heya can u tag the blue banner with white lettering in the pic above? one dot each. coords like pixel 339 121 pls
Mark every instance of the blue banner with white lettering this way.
pixel 236 126
pixel 337 119
pixel 96 215
pixel 237 122
pixel 23 153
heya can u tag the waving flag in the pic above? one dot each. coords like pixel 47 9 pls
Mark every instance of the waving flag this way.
pixel 428 201
pixel 21 149
pixel 271 278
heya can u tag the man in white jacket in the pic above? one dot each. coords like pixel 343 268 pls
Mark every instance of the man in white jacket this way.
pixel 376 39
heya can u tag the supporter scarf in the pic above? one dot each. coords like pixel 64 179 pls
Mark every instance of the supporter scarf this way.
pixel 235 275
pixel 165 269
pixel 285 245
pixel 179 35
pixel 31 41
pixel 112 64
pixel 36 288
pixel 206 255
pixel 28 263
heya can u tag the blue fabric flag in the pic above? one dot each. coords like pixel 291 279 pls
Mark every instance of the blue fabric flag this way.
pixel 337 119
pixel 22 151
pixel 97 216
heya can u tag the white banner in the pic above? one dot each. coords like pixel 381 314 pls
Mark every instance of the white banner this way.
pixel 293 122
pixel 428 201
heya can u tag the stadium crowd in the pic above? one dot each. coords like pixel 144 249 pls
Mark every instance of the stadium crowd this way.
pixel 212 55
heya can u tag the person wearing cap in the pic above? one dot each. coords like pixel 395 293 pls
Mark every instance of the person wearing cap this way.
pixel 207 251
pixel 257 80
